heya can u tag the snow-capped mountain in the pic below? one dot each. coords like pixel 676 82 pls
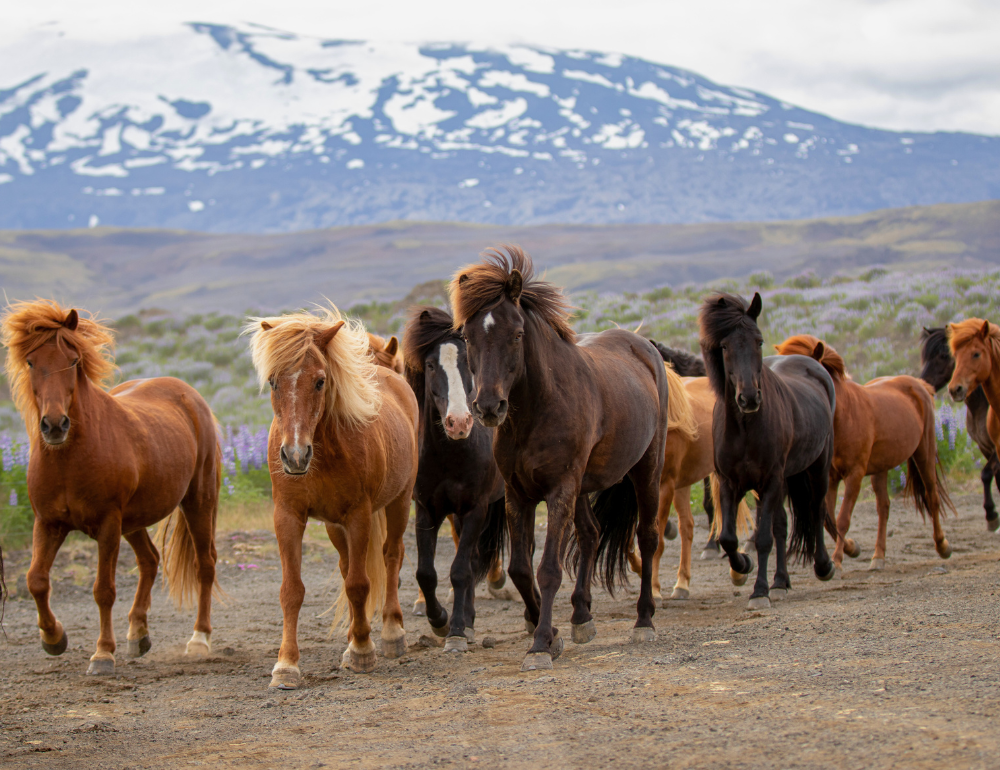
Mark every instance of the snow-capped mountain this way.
pixel 245 128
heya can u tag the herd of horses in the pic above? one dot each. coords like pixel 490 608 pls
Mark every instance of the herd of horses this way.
pixel 484 413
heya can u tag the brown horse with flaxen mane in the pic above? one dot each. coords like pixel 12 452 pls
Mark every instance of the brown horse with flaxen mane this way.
pixel 342 449
pixel 110 464
pixel 574 416
pixel 386 352
pixel 876 427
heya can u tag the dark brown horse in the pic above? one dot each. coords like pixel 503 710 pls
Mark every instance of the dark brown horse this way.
pixel 342 449
pixel 772 435
pixel 457 476
pixel 573 417
pixel 937 368
pixel 110 464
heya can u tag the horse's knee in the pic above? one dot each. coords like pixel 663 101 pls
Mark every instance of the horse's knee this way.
pixel 38 584
pixel 729 542
pixel 105 594
pixel 292 591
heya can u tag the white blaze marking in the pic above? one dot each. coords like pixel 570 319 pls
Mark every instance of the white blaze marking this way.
pixel 488 322
pixel 291 416
pixel 458 404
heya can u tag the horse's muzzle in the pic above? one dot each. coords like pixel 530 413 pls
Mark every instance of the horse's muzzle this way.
pixel 748 404
pixel 295 460
pixel 54 434
pixel 458 428
pixel 957 393
pixel 491 416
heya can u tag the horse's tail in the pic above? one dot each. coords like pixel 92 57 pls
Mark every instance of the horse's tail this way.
pixel 180 562
pixel 375 569
pixel 916 488
pixel 617 512
pixel 744 517
pixel 806 525
pixel 493 538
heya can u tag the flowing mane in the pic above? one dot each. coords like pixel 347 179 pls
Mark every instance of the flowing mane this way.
pixel 680 415
pixel 280 343
pixel 805 344
pixel 720 315
pixel 962 332
pixel 426 328
pixel 685 364
pixel 26 326
pixel 483 286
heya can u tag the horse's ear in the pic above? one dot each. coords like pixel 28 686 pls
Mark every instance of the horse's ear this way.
pixel 818 351
pixel 426 314
pixel 755 305
pixel 265 326
pixel 323 338
pixel 925 333
pixel 721 302
pixel 984 332
pixel 461 279
pixel 392 345
pixel 72 320
pixel 514 285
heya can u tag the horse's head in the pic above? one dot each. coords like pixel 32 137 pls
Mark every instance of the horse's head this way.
pixel 448 380
pixel 937 364
pixel 972 342
pixel 299 399
pixel 495 343
pixel 732 343
pixel 52 374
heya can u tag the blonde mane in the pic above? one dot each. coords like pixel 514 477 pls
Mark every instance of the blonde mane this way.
pixel 26 326
pixel 962 332
pixel 280 343
pixel 680 415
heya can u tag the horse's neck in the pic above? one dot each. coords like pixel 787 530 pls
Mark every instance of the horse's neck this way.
pixel 991 387
pixel 549 360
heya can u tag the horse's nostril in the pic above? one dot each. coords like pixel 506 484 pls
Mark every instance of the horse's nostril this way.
pixel 46 425
pixel 64 423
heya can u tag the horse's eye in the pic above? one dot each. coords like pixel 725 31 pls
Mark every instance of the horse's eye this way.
pixel 975 355
pixel 31 365
pixel 273 382
pixel 517 337
pixel 75 362
pixel 430 365
pixel 320 383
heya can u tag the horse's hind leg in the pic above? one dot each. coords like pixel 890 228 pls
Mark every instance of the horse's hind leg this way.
pixel 990 472
pixel 682 502
pixel 148 560
pixel 880 485
pixel 925 459
pixel 109 538
pixel 587 537
pixel 782 581
pixel 645 477
pixel 397 516
pixel 711 549
pixel 199 509
pixel 45 542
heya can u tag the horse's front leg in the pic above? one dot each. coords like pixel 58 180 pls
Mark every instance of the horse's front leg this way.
pixel 397 516
pixel 45 542
pixel 428 527
pixel 547 646
pixel 768 508
pixel 289 527
pixel 148 560
pixel 990 472
pixel 463 613
pixel 521 528
pixel 782 581
pixel 740 564
pixel 109 538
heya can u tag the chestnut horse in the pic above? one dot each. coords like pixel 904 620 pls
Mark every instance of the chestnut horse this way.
pixel 877 426
pixel 975 346
pixel 386 352
pixel 342 449
pixel 773 435
pixel 457 476
pixel 573 417
pixel 111 464
pixel 937 368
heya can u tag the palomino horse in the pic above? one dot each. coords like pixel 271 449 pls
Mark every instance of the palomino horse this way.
pixel 457 476
pixel 877 426
pixel 572 418
pixel 937 367
pixel 772 434
pixel 111 464
pixel 342 449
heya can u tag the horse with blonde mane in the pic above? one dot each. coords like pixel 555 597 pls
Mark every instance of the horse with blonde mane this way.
pixel 876 427
pixel 975 346
pixel 386 352
pixel 110 464
pixel 342 449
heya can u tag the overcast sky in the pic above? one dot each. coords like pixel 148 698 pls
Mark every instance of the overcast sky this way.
pixel 902 64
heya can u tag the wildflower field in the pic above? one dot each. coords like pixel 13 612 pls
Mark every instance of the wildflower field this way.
pixel 873 319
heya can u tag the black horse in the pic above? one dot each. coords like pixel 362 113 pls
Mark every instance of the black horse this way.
pixel 456 474
pixel 773 434
pixel 937 367
pixel 688 365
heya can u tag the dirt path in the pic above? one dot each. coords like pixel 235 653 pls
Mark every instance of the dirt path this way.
pixel 898 668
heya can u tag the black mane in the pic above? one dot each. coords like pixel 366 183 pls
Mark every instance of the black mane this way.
pixel 720 315
pixel 684 363
pixel 932 342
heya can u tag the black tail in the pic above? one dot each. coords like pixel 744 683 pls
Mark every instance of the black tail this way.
pixel 617 512
pixel 493 538
pixel 807 516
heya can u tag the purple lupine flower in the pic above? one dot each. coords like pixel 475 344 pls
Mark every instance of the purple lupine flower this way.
pixel 13 498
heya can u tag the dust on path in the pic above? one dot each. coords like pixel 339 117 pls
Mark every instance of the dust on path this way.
pixel 898 668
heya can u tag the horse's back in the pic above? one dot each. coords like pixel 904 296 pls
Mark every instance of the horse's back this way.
pixel 612 352
pixel 903 410
pixel 167 404
pixel 812 400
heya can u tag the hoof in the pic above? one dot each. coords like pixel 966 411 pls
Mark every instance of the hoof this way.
pixel 58 648
pixel 456 644
pixel 101 667
pixel 758 603
pixel 285 678
pixel 680 595
pixel 442 631
pixel 200 645
pixel 359 662
pixel 852 549
pixel 944 550
pixel 529 626
pixel 537 661
pixel 420 608
pixel 394 648
pixel 838 572
pixel 828 575
pixel 992 525
pixel 503 594
pixel 778 594
pixel 738 578
pixel 643 634
pixel 556 648
pixel 671 530
pixel 138 647
pixel 877 565
pixel 584 632
pixel 498 584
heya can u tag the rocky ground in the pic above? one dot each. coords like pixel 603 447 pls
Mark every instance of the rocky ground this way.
pixel 896 668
